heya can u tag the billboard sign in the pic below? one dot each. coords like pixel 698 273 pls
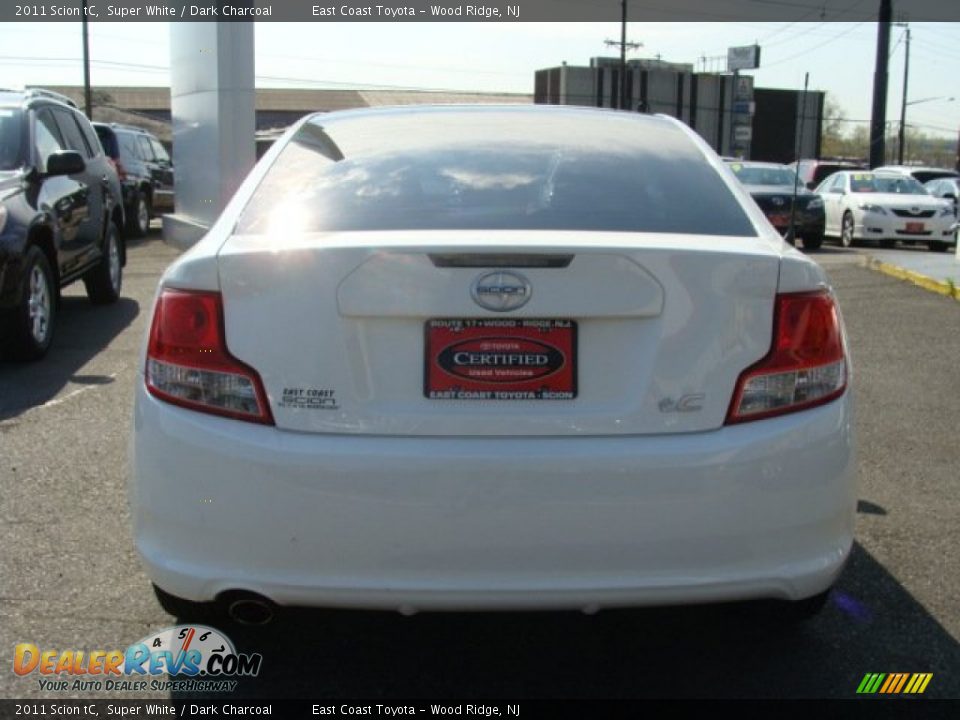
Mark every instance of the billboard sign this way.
pixel 746 57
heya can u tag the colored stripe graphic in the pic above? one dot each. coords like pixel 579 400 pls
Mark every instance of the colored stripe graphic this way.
pixel 894 683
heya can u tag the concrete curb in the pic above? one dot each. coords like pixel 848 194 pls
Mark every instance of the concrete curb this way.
pixel 927 283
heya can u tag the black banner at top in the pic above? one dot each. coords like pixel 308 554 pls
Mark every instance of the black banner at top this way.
pixel 489 11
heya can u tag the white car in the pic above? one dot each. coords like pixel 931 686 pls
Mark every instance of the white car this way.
pixel 884 207
pixel 492 357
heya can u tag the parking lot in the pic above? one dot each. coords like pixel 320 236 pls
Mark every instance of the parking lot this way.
pixel 70 577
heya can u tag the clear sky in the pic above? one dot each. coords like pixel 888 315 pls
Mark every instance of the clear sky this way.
pixel 502 57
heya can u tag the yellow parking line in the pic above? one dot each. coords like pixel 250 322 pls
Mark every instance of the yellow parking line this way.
pixel 927 283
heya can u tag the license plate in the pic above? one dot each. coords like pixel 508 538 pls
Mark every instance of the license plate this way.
pixel 779 221
pixel 500 359
pixel 914 227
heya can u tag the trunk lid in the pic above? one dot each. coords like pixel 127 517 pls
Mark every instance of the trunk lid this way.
pixel 337 323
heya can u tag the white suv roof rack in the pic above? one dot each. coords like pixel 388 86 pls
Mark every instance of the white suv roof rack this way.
pixel 59 97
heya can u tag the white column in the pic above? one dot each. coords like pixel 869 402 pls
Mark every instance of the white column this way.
pixel 212 108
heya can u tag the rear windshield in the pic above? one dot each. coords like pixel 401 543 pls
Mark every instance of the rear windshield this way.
pixel 761 175
pixel 493 169
pixel 11 139
pixel 825 170
pixel 866 182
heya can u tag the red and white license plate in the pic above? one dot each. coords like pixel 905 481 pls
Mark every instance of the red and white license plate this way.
pixel 500 359
pixel 914 227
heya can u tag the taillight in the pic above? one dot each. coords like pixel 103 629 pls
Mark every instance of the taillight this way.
pixel 118 166
pixel 806 365
pixel 188 363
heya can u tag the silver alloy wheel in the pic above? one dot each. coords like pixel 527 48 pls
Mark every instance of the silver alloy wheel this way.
pixel 113 257
pixel 38 305
pixel 846 231
pixel 143 215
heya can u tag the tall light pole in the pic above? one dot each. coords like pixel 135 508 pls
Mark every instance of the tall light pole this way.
pixel 87 101
pixel 878 117
pixel 624 45
pixel 901 139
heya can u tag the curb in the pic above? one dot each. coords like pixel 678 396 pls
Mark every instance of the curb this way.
pixel 927 283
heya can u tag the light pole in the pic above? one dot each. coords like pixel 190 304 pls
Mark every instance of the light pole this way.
pixel 903 120
pixel 903 102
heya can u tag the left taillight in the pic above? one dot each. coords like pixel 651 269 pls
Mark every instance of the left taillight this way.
pixel 188 363
pixel 806 365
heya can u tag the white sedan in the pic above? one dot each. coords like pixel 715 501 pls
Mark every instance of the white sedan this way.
pixel 885 207
pixel 492 357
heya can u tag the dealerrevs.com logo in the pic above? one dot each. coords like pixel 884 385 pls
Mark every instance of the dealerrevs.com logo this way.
pixel 195 657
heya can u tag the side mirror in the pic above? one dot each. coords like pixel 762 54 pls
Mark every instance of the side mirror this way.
pixel 65 162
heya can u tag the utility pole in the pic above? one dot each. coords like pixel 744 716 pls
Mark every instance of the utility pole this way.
pixel 902 138
pixel 87 102
pixel 878 119
pixel 624 45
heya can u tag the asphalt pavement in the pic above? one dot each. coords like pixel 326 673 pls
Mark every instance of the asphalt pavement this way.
pixel 69 578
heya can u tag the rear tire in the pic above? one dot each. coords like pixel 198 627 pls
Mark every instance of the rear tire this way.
pixel 937 246
pixel 813 242
pixel 30 323
pixel 104 282
pixel 138 219
pixel 846 230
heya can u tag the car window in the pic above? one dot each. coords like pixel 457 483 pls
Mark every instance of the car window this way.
pixel 88 134
pixel 11 139
pixel 128 145
pixel 159 153
pixel 108 140
pixel 493 169
pixel 830 184
pixel 47 138
pixel 146 152
pixel 759 175
pixel 71 132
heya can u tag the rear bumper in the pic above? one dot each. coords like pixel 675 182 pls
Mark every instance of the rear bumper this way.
pixel 762 509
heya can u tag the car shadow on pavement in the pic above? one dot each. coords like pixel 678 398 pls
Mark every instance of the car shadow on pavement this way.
pixel 82 331
pixel 872 624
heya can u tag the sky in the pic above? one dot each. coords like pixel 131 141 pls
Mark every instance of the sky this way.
pixel 502 57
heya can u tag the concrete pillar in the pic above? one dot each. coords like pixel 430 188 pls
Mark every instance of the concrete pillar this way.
pixel 212 107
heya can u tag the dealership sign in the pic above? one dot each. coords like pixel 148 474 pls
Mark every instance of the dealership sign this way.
pixel 746 57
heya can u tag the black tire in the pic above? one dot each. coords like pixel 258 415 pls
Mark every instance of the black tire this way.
pixel 813 242
pixel 887 244
pixel 30 323
pixel 182 609
pixel 138 215
pixel 105 281
pixel 937 246
pixel 846 230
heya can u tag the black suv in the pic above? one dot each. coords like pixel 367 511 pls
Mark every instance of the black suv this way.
pixel 60 216
pixel 145 172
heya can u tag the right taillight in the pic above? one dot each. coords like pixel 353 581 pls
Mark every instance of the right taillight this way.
pixel 188 363
pixel 806 365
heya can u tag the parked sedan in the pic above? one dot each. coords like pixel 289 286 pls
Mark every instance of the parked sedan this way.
pixel 492 357
pixel 947 188
pixel 885 207
pixel 775 188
